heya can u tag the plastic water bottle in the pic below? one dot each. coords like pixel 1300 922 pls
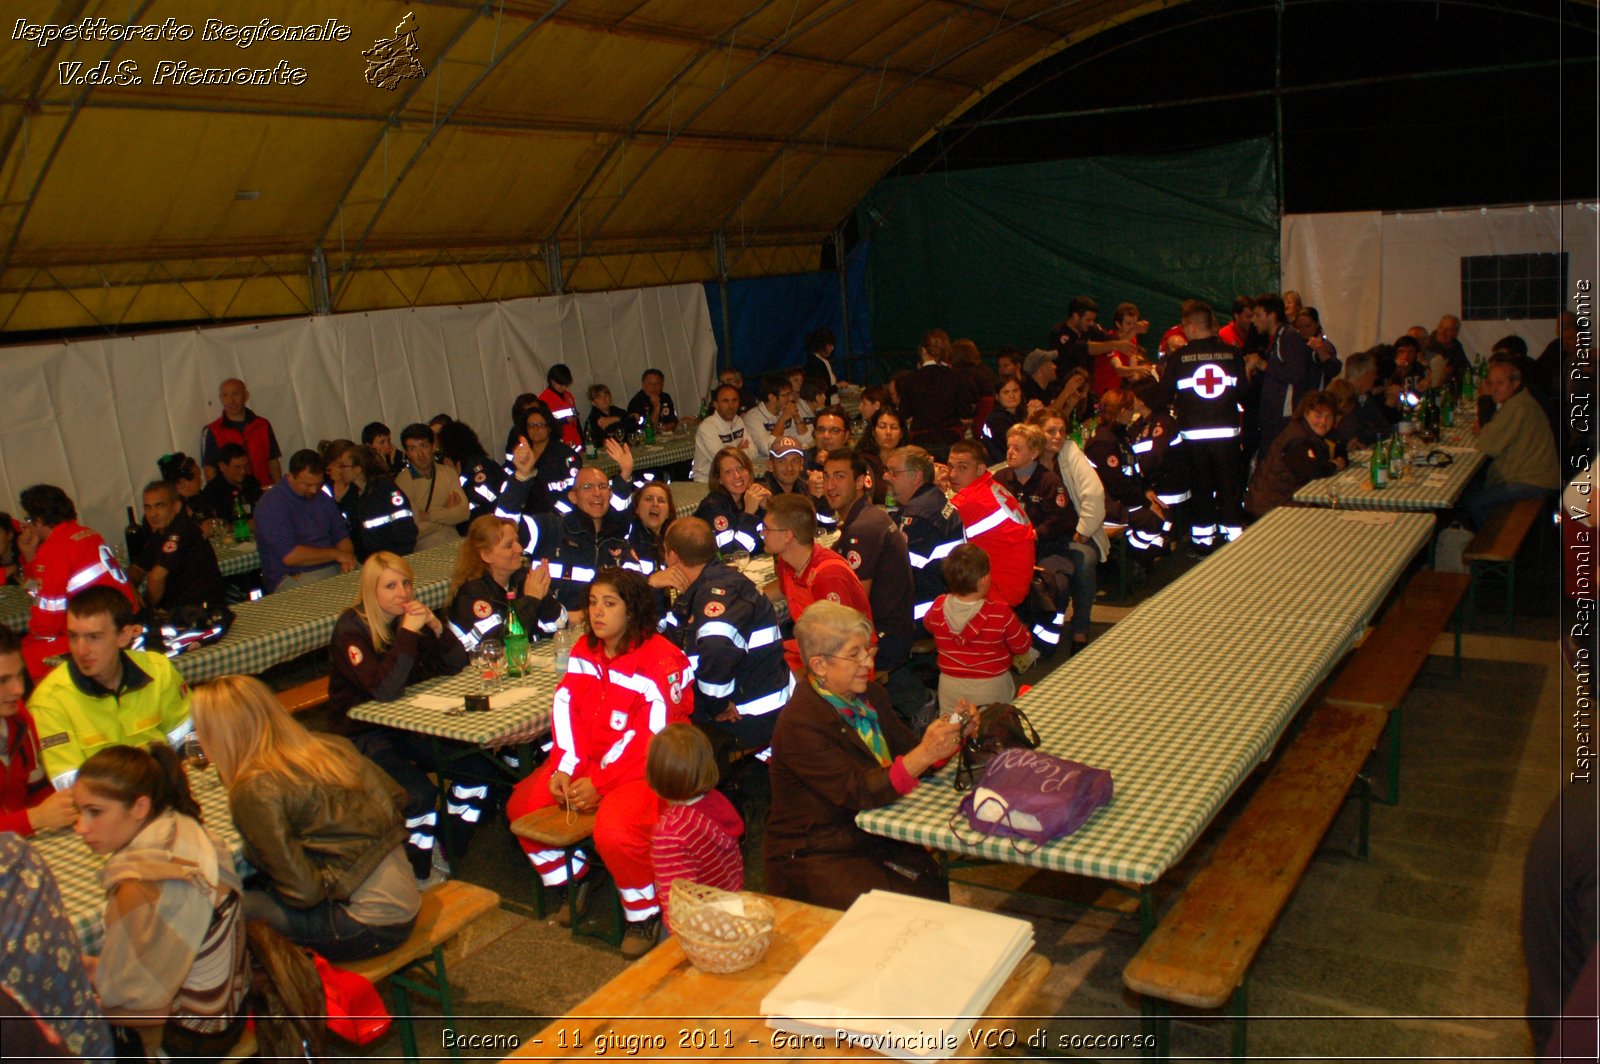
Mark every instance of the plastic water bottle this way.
pixel 564 639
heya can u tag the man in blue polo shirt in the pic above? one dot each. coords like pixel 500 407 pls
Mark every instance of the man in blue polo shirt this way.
pixel 299 529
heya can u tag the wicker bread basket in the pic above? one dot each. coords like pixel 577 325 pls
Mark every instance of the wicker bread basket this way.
pixel 714 939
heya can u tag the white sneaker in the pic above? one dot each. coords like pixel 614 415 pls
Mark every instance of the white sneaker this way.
pixel 441 863
pixel 435 877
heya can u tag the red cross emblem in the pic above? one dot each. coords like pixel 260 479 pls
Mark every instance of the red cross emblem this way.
pixel 1209 382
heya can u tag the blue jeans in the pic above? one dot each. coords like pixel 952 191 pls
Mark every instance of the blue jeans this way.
pixel 327 928
pixel 1481 502
pixel 1085 569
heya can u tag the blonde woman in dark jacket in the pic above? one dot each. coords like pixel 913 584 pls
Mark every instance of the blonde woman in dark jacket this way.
pixel 320 823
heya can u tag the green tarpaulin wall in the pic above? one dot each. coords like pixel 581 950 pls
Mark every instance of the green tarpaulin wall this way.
pixel 996 254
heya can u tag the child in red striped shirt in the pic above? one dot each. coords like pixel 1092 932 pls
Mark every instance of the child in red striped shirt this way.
pixel 697 836
pixel 977 639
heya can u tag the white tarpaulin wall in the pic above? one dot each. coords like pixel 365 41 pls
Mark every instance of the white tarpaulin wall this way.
pixel 1372 276
pixel 93 416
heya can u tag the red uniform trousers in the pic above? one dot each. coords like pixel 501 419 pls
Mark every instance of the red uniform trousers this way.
pixel 623 825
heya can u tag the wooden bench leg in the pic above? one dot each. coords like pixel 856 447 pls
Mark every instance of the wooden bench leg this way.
pixel 1393 795
pixel 1155 1023
pixel 402 986
pixel 1241 1015
pixel 1457 618
pixel 1364 796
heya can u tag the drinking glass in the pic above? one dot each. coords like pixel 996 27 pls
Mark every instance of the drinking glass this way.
pixel 194 755
pixel 739 559
pixel 490 657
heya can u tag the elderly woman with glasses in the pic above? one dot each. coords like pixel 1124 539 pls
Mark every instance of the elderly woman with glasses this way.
pixel 839 748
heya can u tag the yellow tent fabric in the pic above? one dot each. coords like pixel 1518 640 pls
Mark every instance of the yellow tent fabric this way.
pixel 167 160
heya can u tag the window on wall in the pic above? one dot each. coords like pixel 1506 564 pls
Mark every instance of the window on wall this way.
pixel 1501 287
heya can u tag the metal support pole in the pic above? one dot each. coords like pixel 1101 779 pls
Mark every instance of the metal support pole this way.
pixel 1277 107
pixel 720 243
pixel 844 296
pixel 321 296
pixel 552 267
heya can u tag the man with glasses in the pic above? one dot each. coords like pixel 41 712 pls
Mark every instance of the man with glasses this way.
pixel 579 544
pixel 434 490
pixel 61 558
pixel 777 415
pixel 807 571
pixel 930 523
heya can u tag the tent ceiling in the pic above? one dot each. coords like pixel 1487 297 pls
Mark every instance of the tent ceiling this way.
pixel 609 139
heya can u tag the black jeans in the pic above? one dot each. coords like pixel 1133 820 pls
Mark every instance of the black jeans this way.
pixel 327 928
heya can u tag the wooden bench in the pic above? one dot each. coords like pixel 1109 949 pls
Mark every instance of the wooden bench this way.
pixel 550 828
pixel 1201 952
pixel 416 966
pixel 1493 552
pixel 1381 672
pixel 446 910
pixel 305 697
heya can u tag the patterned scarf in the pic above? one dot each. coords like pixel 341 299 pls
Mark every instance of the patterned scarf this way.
pixel 862 717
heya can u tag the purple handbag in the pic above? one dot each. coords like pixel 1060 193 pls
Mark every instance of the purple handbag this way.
pixel 1030 797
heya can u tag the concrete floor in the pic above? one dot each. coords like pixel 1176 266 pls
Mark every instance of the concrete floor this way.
pixel 1414 952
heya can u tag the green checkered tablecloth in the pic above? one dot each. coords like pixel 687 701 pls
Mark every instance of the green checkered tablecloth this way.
pixel 668 450
pixel 236 559
pixel 77 870
pixel 687 496
pixel 14 606
pixel 1183 698
pixel 286 624
pixel 1422 487
pixel 519 708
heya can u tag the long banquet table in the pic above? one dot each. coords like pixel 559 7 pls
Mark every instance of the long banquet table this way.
pixel 1187 695
pixel 286 624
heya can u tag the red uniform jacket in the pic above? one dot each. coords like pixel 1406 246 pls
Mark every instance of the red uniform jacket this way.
pixel 564 408
pixel 606 710
pixel 995 521
pixel 20 790
pixel 256 439
pixel 825 576
pixel 70 559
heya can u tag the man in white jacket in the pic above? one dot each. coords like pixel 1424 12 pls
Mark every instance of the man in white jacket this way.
pixel 776 416
pixel 722 428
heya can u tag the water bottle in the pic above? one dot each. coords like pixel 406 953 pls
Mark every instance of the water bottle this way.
pixel 241 526
pixel 1397 460
pixel 649 432
pixel 564 639
pixel 1380 465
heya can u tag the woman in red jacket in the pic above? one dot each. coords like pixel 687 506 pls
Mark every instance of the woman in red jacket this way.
pixel 27 804
pixel 624 683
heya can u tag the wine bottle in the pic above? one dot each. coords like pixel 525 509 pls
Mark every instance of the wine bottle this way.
pixel 133 536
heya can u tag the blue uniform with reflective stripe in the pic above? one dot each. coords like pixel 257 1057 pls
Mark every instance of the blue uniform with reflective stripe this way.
pixel 729 631
pixel 575 551
pixel 932 529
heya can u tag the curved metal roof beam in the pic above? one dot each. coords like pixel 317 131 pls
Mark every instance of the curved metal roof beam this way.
pixel 55 149
pixel 46 65
pixel 346 271
pixel 1000 30
pixel 722 41
pixel 817 19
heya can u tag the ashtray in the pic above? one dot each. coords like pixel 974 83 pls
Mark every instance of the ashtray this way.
pixel 477 703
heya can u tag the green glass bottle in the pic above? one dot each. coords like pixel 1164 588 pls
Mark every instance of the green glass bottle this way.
pixel 241 525
pixel 1380 465
pixel 515 640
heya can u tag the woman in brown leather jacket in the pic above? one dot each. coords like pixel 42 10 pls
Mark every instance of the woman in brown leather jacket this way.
pixel 320 823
